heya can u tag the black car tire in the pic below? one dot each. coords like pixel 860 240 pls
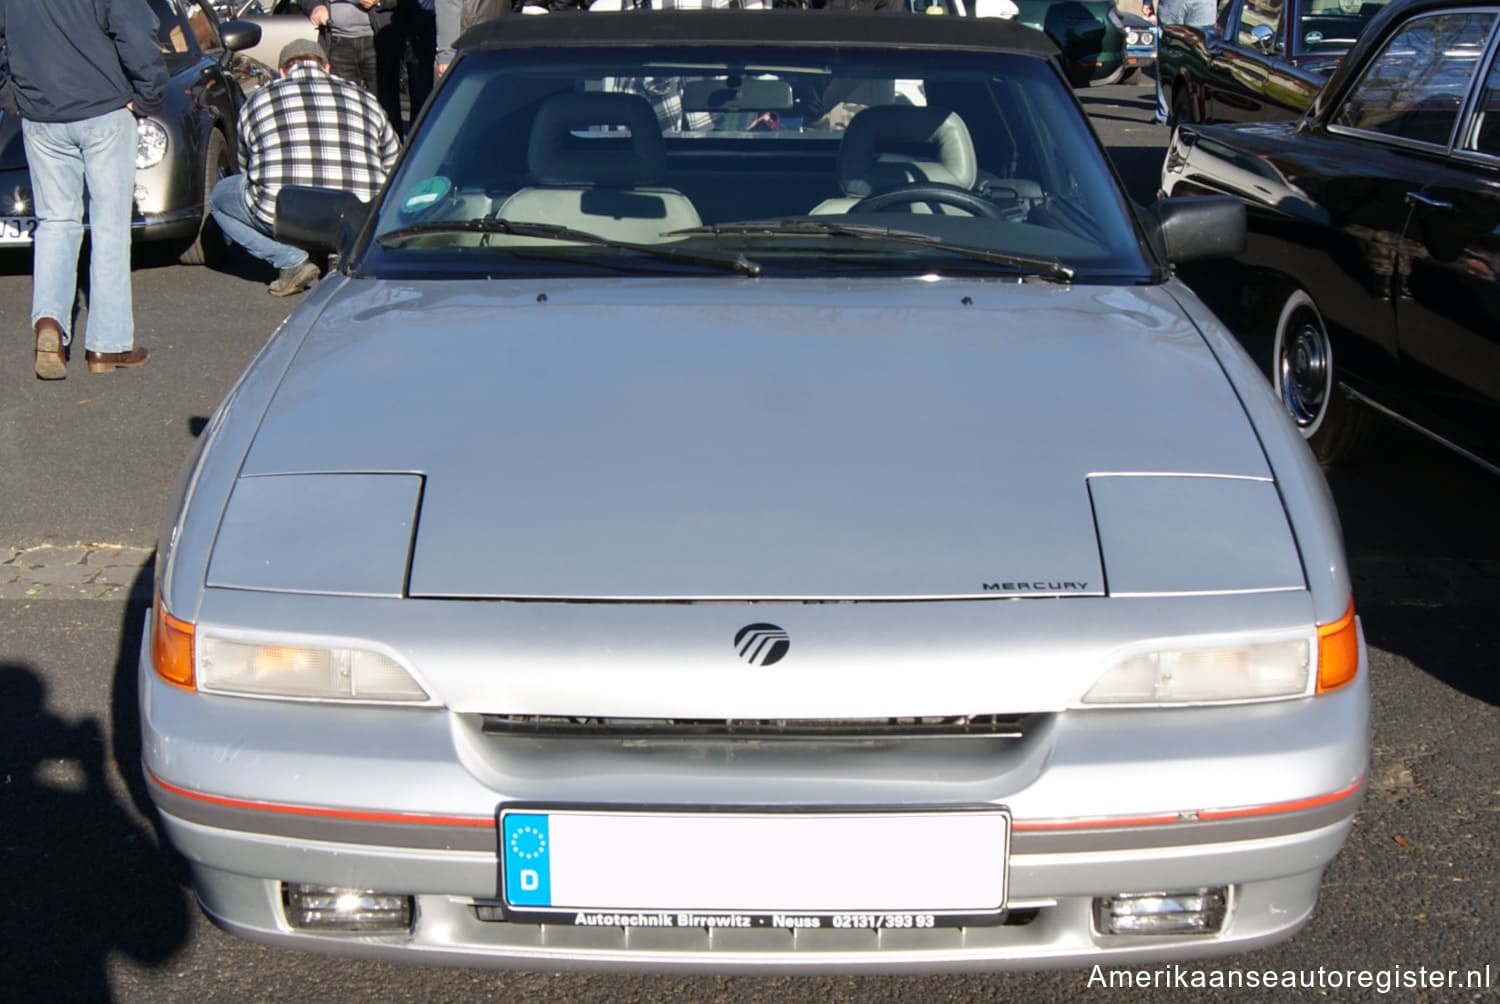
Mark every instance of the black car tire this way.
pixel 1183 112
pixel 208 246
pixel 1338 428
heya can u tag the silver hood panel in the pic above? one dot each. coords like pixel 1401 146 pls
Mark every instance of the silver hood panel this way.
pixel 759 443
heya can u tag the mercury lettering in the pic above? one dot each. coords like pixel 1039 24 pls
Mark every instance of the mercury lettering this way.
pixel 1046 587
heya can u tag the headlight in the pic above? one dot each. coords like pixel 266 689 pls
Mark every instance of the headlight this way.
pixel 1252 672
pixel 308 673
pixel 150 143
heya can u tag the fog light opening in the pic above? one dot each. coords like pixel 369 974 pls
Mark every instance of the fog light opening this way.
pixel 330 908
pixel 1201 911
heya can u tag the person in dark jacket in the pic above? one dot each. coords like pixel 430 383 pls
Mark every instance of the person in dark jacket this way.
pixel 366 43
pixel 79 72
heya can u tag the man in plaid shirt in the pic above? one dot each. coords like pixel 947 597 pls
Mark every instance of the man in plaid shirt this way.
pixel 307 128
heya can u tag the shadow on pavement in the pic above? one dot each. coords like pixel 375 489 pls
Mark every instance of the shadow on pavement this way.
pixel 1424 546
pixel 83 878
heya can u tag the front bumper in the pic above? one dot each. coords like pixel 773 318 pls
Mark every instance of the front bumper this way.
pixel 1258 799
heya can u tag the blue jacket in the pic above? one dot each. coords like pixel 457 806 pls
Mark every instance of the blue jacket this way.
pixel 69 60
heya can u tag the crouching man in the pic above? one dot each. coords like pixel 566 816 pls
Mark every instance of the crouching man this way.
pixel 307 128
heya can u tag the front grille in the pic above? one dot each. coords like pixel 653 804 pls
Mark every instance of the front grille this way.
pixel 802 729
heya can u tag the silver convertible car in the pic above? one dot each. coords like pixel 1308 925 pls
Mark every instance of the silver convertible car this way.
pixel 752 496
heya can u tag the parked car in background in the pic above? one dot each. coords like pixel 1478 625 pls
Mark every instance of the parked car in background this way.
pixel 1371 279
pixel 280 22
pixel 180 152
pixel 874 558
pixel 1262 60
pixel 1141 36
pixel 1090 34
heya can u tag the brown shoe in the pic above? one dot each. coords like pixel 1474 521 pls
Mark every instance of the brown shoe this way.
pixel 108 362
pixel 51 354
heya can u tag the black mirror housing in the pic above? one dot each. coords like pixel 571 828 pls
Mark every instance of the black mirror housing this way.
pixel 238 36
pixel 323 220
pixel 1201 227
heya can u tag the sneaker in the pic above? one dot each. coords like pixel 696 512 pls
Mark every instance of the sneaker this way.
pixel 294 279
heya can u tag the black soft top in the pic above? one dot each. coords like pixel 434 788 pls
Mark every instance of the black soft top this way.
pixel 788 26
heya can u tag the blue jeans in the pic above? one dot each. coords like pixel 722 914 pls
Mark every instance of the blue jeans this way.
pixel 1199 14
pixel 63 157
pixel 240 224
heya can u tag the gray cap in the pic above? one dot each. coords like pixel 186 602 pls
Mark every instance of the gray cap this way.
pixel 301 48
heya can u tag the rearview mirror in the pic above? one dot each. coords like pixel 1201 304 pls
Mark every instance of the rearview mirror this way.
pixel 734 94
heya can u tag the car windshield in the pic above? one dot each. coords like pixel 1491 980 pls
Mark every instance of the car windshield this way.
pixel 765 160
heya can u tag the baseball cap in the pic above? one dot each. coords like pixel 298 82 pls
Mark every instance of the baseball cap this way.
pixel 301 48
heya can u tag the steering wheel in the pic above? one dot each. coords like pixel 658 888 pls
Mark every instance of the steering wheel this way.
pixel 928 191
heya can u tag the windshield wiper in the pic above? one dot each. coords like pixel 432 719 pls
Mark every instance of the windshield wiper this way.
pixel 549 231
pixel 1050 267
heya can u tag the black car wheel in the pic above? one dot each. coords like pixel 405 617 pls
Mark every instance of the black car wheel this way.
pixel 1183 112
pixel 208 246
pixel 1337 427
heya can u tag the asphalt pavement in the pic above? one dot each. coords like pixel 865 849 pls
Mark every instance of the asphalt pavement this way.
pixel 96 908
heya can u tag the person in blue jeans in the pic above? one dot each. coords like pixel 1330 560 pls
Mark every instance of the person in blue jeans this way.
pixel 353 146
pixel 79 72
pixel 1198 14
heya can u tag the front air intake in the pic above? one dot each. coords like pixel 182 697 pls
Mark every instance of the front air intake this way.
pixel 820 729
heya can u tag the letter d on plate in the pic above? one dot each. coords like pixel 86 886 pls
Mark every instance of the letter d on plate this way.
pixel 528 852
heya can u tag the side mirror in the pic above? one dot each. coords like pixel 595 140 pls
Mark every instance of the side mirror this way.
pixel 1264 37
pixel 319 219
pixel 1200 227
pixel 238 36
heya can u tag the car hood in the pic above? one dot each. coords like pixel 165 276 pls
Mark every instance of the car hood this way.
pixel 746 440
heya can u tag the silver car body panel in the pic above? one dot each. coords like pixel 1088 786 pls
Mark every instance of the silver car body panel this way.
pixel 921 458
pixel 892 460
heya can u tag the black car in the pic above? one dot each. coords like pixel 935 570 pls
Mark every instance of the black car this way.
pixel 180 152
pixel 1261 59
pixel 1371 279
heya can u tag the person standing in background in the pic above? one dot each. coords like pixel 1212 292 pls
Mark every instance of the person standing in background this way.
pixel 79 73
pixel 366 43
pixel 449 13
pixel 1196 13
pixel 421 38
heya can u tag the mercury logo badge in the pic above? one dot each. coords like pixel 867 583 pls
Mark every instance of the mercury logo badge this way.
pixel 762 644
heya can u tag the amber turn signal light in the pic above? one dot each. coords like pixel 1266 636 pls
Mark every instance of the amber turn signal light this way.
pixel 172 647
pixel 1338 651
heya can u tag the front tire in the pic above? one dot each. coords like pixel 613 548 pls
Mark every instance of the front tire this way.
pixel 1338 428
pixel 1183 112
pixel 208 246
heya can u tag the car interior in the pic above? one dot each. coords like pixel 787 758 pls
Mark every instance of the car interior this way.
pixel 645 152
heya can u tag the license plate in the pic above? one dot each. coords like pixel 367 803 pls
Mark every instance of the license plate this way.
pixel 17 229
pixel 875 869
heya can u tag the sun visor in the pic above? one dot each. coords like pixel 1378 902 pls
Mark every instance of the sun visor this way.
pixel 341 534
pixel 1184 535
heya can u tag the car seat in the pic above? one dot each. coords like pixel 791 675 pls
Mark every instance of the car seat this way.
pixel 887 146
pixel 584 177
